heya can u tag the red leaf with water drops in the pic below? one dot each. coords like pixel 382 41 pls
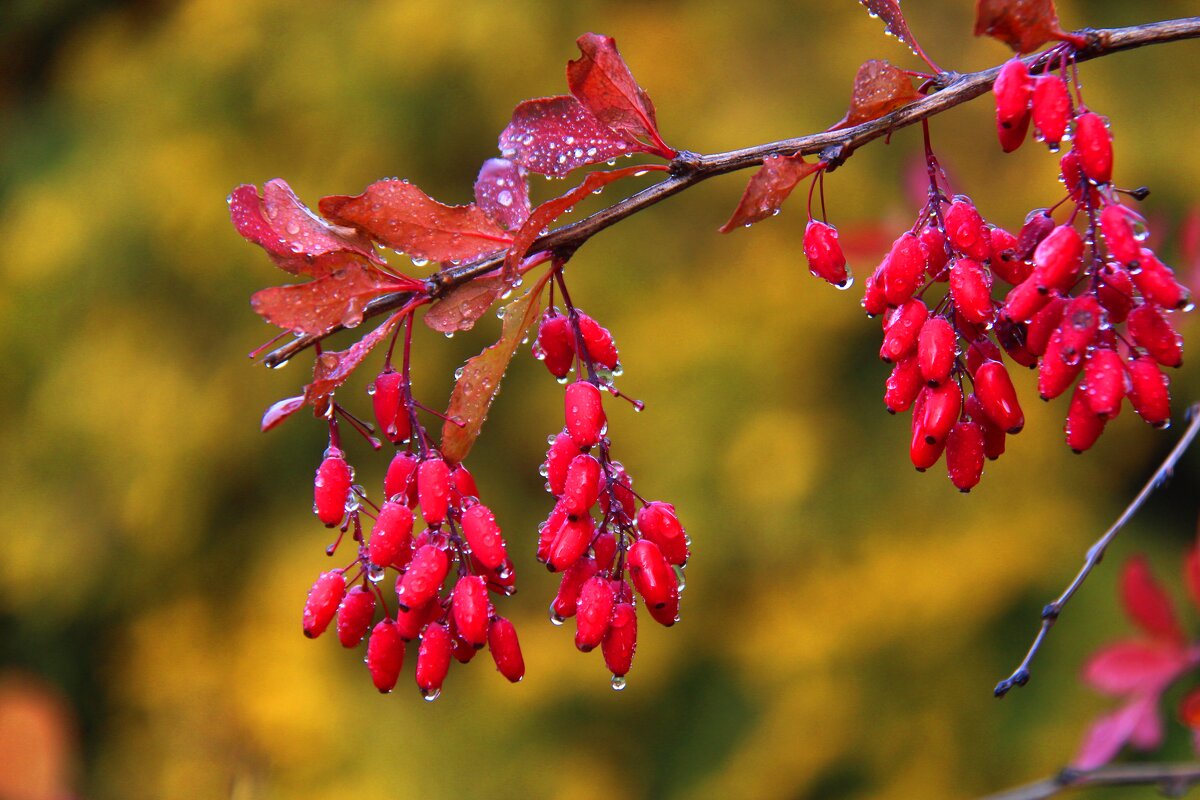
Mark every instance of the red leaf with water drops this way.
pixel 280 411
pixel 479 381
pixel 768 188
pixel 401 216
pixel 879 89
pixel 1129 666
pixel 893 20
pixel 602 82
pixel 464 304
pixel 295 238
pixel 332 368
pixel 502 191
pixel 1024 25
pixel 1146 602
pixel 331 300
pixel 554 135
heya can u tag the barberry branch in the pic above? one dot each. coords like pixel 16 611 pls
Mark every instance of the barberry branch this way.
pixel 1172 780
pixel 1095 553
pixel 947 91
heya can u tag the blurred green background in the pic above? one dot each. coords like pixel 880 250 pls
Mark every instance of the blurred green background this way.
pixel 845 617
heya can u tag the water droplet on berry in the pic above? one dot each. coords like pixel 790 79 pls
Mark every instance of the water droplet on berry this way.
pixel 846 284
pixel 417 261
pixel 371 389
pixel 680 575
pixel 375 573
pixel 458 373
pixel 449 334
pixel 1189 306
pixel 618 683
pixel 430 696
pixel 555 619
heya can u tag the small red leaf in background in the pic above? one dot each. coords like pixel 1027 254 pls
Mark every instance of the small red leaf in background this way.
pixel 1189 709
pixel 879 89
pixel 1146 603
pixel 1109 734
pixel 331 300
pixel 1191 573
pixel 768 188
pixel 331 368
pixel 502 192
pixel 602 82
pixel 1125 667
pixel 295 238
pixel 554 135
pixel 280 411
pixel 479 381
pixel 463 305
pixel 404 218
pixel 1024 25
pixel 893 20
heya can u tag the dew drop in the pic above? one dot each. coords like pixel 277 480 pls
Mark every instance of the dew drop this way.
pixel 458 373
pixel 846 284
pixel 505 198
pixel 618 682
pixel 375 573
pixel 431 696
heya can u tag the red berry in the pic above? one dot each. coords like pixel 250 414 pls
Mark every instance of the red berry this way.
pixel 598 341
pixel 1094 144
pixel 1068 345
pixel 555 344
pixel 483 536
pixel 506 650
pixel 331 488
pixel 1013 90
pixel 571 542
pixel 422 580
pixel 824 254
pixel 433 490
pixel 874 301
pixel 385 656
pixel 902 328
pixel 657 522
pixel 941 409
pixel 622 489
pixel 1058 258
pixel 971 289
pixel 470 609
pixel 667 614
pixel 433 659
pixel 935 244
pixel 390 413
pixel 1153 332
pixel 593 613
pixel 1025 299
pixel 1149 392
pixel 998 398
pixel 391 536
pixel 1156 281
pixel 354 615
pixel 906 266
pixel 922 452
pixel 620 642
pixel 567 598
pixel 547 532
pixel 1115 292
pixel 1105 382
pixel 410 621
pixel 993 436
pixel 604 550
pixel 322 603
pixel 936 350
pixel 1043 324
pixel 651 574
pixel 582 485
pixel 1083 426
pixel 1116 223
pixel 401 479
pixel 903 385
pixel 463 482
pixel 462 650
pixel 1011 336
pixel 1051 108
pixel 965 230
pixel 964 454
pixel 584 413
pixel 562 449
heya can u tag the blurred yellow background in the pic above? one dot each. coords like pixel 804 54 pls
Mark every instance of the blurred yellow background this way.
pixel 845 617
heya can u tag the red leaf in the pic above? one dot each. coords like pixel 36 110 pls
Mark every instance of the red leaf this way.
pixel 334 299
pixel 1109 734
pixel 768 188
pixel 893 20
pixel 295 238
pixel 879 89
pixel 281 411
pixel 479 381
pixel 1189 709
pixel 554 135
pixel 1130 666
pixel 502 191
pixel 1024 25
pixel 461 307
pixel 602 82
pixel 1146 603
pixel 403 217
pixel 1191 573
pixel 333 368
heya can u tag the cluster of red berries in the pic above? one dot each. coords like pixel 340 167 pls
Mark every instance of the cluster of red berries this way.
pixel 1069 292
pixel 596 534
pixel 445 574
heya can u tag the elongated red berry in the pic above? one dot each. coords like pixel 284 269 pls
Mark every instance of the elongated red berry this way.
pixel 562 449
pixel 401 479
pixel 584 413
pixel 433 659
pixel 1156 281
pixel 433 490
pixel 658 522
pixel 1058 259
pixel 668 613
pixel 903 327
pixel 423 578
pixel 483 536
pixel 1051 108
pixel 387 401
pixel 462 483
pixel 1149 391
pixel 571 542
pixel 1083 426
pixel 506 649
pixel 555 344
pixel 1153 332
pixel 410 621
pixel 1037 226
pixel 1043 325
pixel 824 254
pixel 1115 292
pixel 936 350
pixel 1011 336
pixel 470 609
pixel 922 452
pixel 935 244
pixel 462 650
pixel 964 454
pixel 354 615
pixel 593 613
pixel 1025 299
pixel 622 490
pixel 1094 145
pixel 942 406
pixel 906 266
pixel 903 385
pixel 1013 90
pixel 1117 224
pixel 322 603
pixel 385 655
pixel 651 574
pixel 331 488
pixel 1105 382
pixel 604 550
pixel 998 398
pixel 971 289
pixel 582 485
pixel 598 341
pixel 567 598
pixel 993 435
pixel 391 537
pixel 620 642
pixel 965 230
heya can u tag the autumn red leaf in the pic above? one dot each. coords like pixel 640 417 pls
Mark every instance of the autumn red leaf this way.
pixel 602 82
pixel 332 368
pixel 1128 666
pixel 401 216
pixel 893 20
pixel 1024 25
pixel 1147 603
pixel 280 411
pixel 554 135
pixel 295 238
pixel 1137 719
pixel 464 304
pixel 768 188
pixel 479 381
pixel 879 89
pixel 337 298
pixel 502 192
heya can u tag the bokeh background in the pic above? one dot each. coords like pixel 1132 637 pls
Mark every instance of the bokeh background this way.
pixel 845 617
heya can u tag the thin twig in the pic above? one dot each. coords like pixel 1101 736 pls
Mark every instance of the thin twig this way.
pixel 1172 780
pixel 1095 553
pixel 689 169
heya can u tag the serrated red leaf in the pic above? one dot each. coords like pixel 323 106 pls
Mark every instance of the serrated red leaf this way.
pixel 893 20
pixel 1146 602
pixel 502 192
pixel 602 82
pixel 401 216
pixel 337 298
pixel 479 381
pixel 1024 25
pixel 768 188
pixel 554 135
pixel 280 411
pixel 879 89
pixel 295 238
pixel 463 305
pixel 1125 667
pixel 332 368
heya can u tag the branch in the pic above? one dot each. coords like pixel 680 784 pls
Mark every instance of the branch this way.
pixel 688 169
pixel 1172 780
pixel 1095 553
